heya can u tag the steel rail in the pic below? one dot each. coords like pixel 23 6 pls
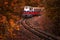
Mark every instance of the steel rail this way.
pixel 40 35
pixel 45 34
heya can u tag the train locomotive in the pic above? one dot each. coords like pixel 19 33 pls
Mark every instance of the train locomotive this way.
pixel 31 11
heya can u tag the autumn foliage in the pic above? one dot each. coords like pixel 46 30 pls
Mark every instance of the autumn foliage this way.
pixel 10 13
pixel 53 13
pixel 11 10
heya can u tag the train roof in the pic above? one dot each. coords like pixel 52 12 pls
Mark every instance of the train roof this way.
pixel 38 7
pixel 27 7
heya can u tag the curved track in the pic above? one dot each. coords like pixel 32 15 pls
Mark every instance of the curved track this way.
pixel 37 32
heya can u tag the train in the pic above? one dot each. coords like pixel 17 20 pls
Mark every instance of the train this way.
pixel 29 11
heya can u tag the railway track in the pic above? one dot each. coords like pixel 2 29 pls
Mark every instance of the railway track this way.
pixel 37 32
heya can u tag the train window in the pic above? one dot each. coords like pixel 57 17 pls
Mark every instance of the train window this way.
pixel 26 7
pixel 31 8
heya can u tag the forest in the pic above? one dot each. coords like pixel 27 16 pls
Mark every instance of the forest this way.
pixel 11 11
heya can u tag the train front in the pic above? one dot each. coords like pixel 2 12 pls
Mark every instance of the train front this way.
pixel 26 11
pixel 30 11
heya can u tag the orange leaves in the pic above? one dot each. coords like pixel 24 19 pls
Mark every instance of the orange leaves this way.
pixel 2 19
pixel 12 4
pixel 0 4
pixel 14 0
pixel 12 22
pixel 14 25
pixel 17 27
pixel 5 3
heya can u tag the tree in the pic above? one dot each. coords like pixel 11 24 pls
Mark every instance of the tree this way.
pixel 52 12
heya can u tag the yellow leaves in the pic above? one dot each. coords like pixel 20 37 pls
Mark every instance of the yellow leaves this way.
pixel 10 30
pixel 12 22
pixel 14 25
pixel 17 27
pixel 10 25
